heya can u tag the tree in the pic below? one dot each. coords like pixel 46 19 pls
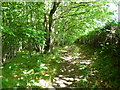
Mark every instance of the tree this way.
pixel 50 39
pixel 22 27
pixel 32 26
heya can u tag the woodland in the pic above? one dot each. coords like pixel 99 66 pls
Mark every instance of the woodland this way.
pixel 69 45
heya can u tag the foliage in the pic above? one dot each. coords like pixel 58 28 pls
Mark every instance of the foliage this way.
pixel 107 62
pixel 78 19
pixel 25 70
pixel 105 42
pixel 21 27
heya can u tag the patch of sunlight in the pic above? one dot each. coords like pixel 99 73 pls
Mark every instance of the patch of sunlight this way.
pixel 80 76
pixel 67 58
pixel 28 72
pixel 71 57
pixel 43 83
pixel 82 68
pixel 64 81
pixel 64 51
pixel 60 75
pixel 69 83
pixel 43 66
pixel 54 84
pixel 84 79
pixel 15 75
pixel 70 70
pixel 56 78
pixel 66 47
pixel 59 82
pixel 21 78
pixel 62 85
pixel 76 57
pixel 73 62
pixel 10 67
pixel 21 63
pixel 62 70
pixel 47 75
pixel 69 79
pixel 53 57
pixel 18 78
pixel 28 84
pixel 18 84
pixel 85 62
pixel 77 79
pixel 93 72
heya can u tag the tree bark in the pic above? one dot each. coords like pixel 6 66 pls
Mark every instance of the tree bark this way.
pixel 49 37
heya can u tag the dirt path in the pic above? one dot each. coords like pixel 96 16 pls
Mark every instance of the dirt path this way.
pixel 74 70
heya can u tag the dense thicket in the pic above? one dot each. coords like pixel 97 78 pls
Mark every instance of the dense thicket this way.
pixel 106 43
pixel 108 59
pixel 22 28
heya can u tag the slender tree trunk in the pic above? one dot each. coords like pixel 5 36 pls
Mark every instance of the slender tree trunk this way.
pixel 47 33
pixel 49 39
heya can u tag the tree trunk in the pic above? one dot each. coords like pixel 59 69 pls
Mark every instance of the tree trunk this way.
pixel 49 37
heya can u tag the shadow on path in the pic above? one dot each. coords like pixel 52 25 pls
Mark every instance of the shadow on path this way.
pixel 74 69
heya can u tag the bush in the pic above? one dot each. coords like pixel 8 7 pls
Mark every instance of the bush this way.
pixel 106 42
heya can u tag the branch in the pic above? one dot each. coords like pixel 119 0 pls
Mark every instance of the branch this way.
pixel 69 27
pixel 70 9
pixel 70 15
pixel 54 8
pixel 56 4
pixel 67 11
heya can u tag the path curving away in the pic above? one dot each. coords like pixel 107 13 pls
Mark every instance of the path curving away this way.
pixel 74 70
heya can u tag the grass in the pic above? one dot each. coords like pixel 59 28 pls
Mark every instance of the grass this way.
pixel 25 70
pixel 39 70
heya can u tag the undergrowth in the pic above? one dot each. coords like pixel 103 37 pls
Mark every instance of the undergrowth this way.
pixel 25 70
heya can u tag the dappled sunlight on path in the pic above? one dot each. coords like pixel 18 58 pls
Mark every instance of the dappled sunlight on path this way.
pixel 74 68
